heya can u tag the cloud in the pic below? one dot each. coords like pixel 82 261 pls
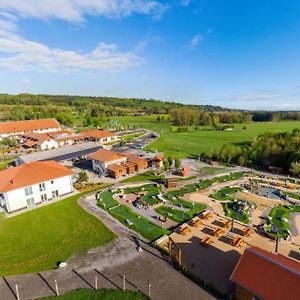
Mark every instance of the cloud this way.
pixel 22 54
pixel 26 80
pixel 196 39
pixel 185 2
pixel 77 10
pixel 18 53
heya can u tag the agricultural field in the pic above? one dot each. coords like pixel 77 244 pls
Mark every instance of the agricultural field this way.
pixel 204 139
pixel 48 234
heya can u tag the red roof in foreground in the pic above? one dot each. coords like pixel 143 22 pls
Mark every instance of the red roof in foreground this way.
pixel 31 173
pixel 268 275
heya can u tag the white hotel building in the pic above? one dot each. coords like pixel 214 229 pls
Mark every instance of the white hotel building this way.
pixel 30 184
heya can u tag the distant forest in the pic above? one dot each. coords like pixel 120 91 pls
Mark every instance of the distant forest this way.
pixel 92 111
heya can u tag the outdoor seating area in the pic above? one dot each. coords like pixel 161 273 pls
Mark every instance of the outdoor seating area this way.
pixel 184 229
pixel 196 222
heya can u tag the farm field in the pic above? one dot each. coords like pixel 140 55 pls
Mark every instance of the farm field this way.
pixel 201 140
pixel 38 239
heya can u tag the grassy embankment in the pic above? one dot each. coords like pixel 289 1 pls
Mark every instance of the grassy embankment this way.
pixel 38 239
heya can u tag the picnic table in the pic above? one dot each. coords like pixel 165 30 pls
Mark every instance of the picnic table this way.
pixel 184 229
pixel 218 232
pixel 205 241
pixel 196 222
pixel 248 231
pixel 237 242
pixel 207 215
pixel 227 224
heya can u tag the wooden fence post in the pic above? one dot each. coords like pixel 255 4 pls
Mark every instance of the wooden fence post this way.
pixel 17 292
pixel 56 288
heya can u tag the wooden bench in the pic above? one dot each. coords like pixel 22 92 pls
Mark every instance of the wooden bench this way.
pixel 206 241
pixel 196 222
pixel 237 242
pixel 218 232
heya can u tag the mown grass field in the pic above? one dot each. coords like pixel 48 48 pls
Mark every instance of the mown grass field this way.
pixel 193 143
pixel 38 239
pixel 103 294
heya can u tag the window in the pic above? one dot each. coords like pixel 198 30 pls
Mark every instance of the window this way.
pixel 42 187
pixel 44 197
pixel 28 190
pixel 52 181
pixel 30 202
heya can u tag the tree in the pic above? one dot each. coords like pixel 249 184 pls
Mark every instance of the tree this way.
pixel 82 177
pixel 177 163
pixel 295 168
pixel 166 165
pixel 170 160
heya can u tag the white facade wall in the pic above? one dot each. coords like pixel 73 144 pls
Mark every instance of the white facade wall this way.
pixel 49 145
pixel 108 139
pixel 103 165
pixel 17 199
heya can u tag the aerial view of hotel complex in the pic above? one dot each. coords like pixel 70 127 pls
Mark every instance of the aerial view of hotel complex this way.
pixel 107 192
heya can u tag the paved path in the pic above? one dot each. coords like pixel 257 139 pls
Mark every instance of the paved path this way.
pixel 108 264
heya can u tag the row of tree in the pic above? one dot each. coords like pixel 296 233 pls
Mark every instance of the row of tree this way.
pixel 281 150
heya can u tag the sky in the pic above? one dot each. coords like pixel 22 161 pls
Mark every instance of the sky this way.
pixel 241 54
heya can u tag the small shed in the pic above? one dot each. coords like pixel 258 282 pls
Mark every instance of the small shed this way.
pixel 171 182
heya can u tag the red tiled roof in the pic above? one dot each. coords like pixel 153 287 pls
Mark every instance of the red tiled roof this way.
pixel 98 134
pixel 137 160
pixel 115 168
pixel 20 126
pixel 268 275
pixel 103 155
pixel 31 173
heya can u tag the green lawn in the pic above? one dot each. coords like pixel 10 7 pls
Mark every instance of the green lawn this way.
pixel 230 177
pixel 106 200
pixel 212 170
pixel 173 214
pixel 136 222
pixel 291 195
pixel 103 294
pixel 201 140
pixel 38 239
pixel 278 214
pixel 225 194
pixel 147 176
